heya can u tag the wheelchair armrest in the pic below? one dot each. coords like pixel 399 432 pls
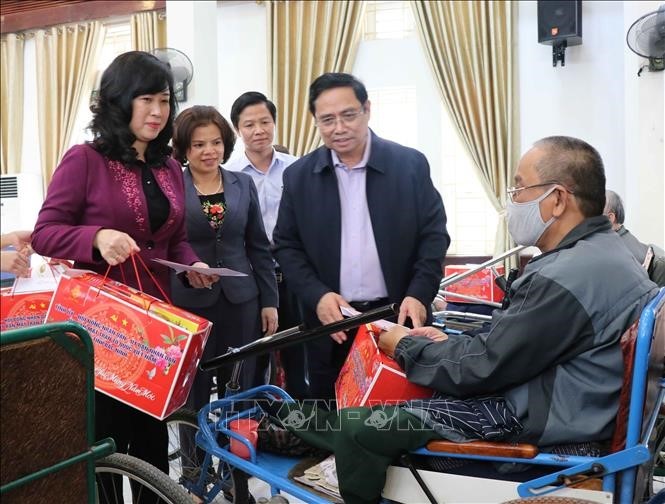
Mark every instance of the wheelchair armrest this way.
pixel 488 448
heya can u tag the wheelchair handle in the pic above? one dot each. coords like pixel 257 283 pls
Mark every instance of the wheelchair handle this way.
pixel 296 335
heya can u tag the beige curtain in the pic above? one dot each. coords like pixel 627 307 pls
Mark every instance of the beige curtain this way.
pixel 66 63
pixel 11 103
pixel 305 40
pixel 471 49
pixel 148 30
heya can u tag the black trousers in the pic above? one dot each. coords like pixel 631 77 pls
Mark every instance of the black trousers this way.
pixel 135 433
pixel 325 357
pixel 293 358
pixel 234 325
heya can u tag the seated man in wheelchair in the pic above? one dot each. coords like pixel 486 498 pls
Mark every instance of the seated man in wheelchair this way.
pixel 548 371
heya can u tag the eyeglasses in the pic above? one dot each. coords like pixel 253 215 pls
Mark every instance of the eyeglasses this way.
pixel 348 117
pixel 514 191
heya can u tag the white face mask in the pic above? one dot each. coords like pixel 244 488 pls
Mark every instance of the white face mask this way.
pixel 525 224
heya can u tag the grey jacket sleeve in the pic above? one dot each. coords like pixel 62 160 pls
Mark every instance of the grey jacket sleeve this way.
pixel 544 325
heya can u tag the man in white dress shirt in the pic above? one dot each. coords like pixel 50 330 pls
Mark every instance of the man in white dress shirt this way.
pixel 253 116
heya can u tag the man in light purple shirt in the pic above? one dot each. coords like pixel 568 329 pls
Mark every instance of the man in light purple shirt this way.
pixel 253 117
pixel 360 224
pixel 360 275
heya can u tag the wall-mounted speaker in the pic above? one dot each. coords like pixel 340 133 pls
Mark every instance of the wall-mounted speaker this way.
pixel 559 20
pixel 559 25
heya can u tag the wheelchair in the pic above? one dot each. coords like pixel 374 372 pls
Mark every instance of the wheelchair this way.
pixel 623 476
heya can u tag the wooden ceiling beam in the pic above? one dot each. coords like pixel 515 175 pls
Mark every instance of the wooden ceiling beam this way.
pixel 21 15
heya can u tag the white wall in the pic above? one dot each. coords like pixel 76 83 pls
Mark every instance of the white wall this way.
pixel 644 103
pixel 194 32
pixel 243 56
pixel 598 97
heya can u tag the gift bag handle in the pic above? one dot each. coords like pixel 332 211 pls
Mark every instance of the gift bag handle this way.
pixel 138 278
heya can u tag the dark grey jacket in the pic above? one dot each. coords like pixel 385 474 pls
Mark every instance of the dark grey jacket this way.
pixel 554 353
pixel 407 214
pixel 656 266
pixel 240 244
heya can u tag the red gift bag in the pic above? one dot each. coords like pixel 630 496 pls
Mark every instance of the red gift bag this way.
pixel 28 308
pixel 369 377
pixel 23 309
pixel 480 285
pixel 146 350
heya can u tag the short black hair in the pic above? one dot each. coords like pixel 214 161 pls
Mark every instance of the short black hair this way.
pixel 251 98
pixel 614 204
pixel 332 80
pixel 131 74
pixel 193 117
pixel 578 166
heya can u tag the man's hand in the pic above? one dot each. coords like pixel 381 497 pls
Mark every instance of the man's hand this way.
pixel 429 332
pixel 388 339
pixel 114 246
pixel 327 310
pixel 268 320
pixel 16 263
pixel 201 280
pixel 413 309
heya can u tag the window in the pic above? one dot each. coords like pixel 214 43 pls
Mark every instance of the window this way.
pixel 388 20
pixel 472 219
pixel 389 103
pixel 407 108
pixel 117 40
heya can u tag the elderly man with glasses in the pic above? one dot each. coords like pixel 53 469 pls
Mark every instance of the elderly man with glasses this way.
pixel 549 368
pixel 360 224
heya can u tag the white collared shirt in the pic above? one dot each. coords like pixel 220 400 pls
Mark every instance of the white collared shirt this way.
pixel 360 274
pixel 268 184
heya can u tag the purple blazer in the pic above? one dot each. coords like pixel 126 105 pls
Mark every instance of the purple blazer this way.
pixel 88 193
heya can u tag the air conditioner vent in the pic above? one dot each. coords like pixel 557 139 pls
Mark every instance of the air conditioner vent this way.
pixel 9 187
pixel 21 195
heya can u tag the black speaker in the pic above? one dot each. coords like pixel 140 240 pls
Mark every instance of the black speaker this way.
pixel 559 21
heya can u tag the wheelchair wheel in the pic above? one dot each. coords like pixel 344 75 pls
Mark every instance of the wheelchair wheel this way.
pixel 656 470
pixel 186 460
pixel 147 484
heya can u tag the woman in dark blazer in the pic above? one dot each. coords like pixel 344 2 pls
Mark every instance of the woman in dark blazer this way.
pixel 225 229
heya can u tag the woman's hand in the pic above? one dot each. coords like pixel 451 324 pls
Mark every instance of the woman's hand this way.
pixel 18 239
pixel 201 280
pixel 269 320
pixel 115 246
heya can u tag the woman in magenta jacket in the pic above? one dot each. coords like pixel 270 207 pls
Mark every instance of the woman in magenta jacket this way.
pixel 118 195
